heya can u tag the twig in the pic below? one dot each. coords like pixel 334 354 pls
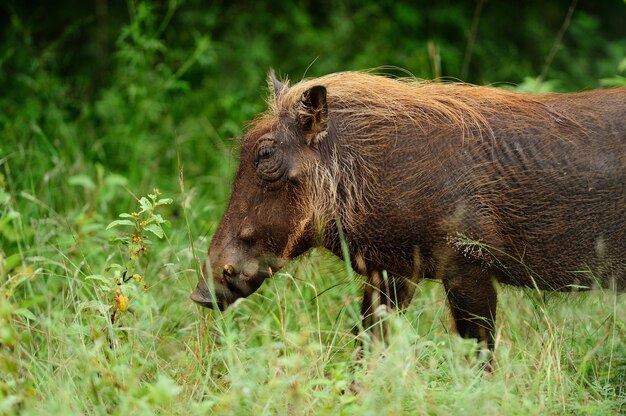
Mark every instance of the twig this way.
pixel 557 41
pixel 472 38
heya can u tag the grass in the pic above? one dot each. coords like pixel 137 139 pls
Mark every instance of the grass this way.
pixel 288 349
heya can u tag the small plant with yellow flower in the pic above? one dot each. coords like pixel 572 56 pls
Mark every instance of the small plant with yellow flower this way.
pixel 145 223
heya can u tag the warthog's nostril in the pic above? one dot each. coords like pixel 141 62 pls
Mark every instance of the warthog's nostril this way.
pixel 229 271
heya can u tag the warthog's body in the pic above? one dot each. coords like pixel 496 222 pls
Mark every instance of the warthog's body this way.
pixel 453 182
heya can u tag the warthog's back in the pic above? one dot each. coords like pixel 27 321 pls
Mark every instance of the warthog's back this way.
pixel 560 194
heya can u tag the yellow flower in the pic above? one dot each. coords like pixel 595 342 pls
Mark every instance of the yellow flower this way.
pixel 138 278
pixel 121 301
pixel 25 271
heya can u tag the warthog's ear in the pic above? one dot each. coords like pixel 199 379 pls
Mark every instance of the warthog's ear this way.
pixel 312 114
pixel 277 87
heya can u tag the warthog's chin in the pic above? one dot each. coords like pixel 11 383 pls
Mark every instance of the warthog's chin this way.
pixel 241 286
pixel 204 298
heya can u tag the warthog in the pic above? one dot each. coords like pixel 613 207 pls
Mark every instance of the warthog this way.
pixel 455 182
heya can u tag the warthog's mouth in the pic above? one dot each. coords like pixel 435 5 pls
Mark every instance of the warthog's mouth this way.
pixel 225 293
pixel 203 298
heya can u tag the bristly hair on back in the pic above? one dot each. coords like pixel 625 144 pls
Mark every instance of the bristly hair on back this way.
pixel 368 113
pixel 363 99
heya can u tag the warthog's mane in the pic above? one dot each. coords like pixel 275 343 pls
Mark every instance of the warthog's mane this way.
pixel 375 106
pixel 368 113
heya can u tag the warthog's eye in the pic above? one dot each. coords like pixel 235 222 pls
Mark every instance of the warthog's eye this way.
pixel 268 161
pixel 265 152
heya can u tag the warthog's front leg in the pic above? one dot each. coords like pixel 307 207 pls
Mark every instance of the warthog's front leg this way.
pixel 383 294
pixel 472 300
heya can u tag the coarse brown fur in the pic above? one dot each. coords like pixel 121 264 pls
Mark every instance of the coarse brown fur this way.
pixel 424 179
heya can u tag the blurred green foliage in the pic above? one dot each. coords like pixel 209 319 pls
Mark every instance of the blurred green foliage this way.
pixel 165 62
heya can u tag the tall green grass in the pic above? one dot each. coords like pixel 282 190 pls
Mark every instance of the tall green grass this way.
pixel 290 350
pixel 68 167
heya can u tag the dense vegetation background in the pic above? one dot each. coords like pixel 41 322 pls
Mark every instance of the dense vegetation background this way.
pixel 100 100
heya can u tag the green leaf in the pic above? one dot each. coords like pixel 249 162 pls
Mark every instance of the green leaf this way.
pixel 115 180
pixel 164 390
pixel 157 218
pixel 99 278
pixel 125 215
pixel 25 313
pixel 165 201
pixel 155 229
pixel 81 180
pixel 8 403
pixel 13 228
pixel 4 197
pixel 616 81
pixel 145 204
pixel 114 266
pixel 120 222
pixel 94 305
pixel 13 261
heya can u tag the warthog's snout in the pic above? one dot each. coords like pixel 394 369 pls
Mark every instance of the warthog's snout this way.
pixel 231 284
pixel 202 297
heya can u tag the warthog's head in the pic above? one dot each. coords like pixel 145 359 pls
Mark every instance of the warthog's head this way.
pixel 269 218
